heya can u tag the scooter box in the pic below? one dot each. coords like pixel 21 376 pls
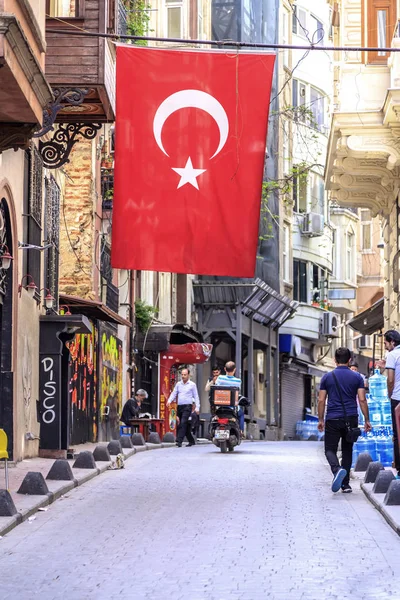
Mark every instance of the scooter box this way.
pixel 224 396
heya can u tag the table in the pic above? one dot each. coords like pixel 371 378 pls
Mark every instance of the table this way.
pixel 144 426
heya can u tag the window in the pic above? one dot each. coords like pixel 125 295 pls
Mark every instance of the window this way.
pixel 174 18
pixel 32 216
pixel 380 22
pixel 200 35
pixel 52 236
pixel 364 341
pixel 317 193
pixel 286 253
pixel 317 32
pixel 300 281
pixel 300 185
pixel 62 8
pixel 299 22
pixel 299 93
pixel 317 108
pixel 349 255
pixel 366 230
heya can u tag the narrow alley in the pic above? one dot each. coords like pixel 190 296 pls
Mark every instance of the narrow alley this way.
pixel 193 523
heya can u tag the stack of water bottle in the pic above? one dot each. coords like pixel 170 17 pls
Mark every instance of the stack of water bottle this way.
pixel 304 429
pixel 378 442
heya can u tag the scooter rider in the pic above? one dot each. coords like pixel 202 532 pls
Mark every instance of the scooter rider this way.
pixel 230 380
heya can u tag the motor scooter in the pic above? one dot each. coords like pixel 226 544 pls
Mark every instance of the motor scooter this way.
pixel 224 429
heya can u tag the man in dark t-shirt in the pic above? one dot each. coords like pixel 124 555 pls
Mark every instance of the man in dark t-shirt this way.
pixel 334 422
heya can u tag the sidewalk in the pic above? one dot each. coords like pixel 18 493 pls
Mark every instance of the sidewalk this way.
pixel 28 505
pixel 390 513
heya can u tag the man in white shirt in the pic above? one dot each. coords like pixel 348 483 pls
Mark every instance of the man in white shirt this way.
pixel 186 392
pixel 392 345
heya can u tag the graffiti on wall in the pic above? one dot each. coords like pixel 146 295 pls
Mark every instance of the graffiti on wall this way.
pixel 110 383
pixel 83 387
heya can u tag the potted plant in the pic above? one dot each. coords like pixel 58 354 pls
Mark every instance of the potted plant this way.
pixel 108 198
pixel 107 162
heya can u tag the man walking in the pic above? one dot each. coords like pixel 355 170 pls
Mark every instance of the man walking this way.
pixel 392 345
pixel 341 386
pixel 186 391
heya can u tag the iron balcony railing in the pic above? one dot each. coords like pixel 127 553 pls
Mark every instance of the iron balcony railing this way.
pixel 107 188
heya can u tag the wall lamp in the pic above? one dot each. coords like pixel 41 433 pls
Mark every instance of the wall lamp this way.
pixel 62 310
pixel 5 257
pixel 48 299
pixel 30 287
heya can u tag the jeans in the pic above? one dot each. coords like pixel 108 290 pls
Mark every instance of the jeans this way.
pixel 241 419
pixel 335 429
pixel 396 452
pixel 185 426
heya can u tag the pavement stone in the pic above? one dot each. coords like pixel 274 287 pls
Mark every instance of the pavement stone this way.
pixel 258 523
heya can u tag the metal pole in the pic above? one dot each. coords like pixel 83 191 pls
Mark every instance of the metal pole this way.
pixel 268 377
pixel 250 373
pixel 238 355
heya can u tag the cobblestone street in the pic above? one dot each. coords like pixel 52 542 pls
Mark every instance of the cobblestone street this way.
pixel 195 524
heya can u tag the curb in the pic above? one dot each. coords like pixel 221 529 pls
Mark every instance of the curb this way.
pixel 378 504
pixel 81 476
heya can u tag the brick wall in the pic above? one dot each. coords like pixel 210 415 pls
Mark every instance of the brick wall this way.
pixel 77 235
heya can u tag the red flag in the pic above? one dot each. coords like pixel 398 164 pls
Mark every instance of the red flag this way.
pixel 190 140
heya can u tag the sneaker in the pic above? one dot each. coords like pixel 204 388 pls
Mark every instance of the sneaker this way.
pixel 179 444
pixel 338 480
pixel 191 444
pixel 397 476
pixel 346 489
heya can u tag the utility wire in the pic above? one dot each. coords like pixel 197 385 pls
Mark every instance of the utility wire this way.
pixel 226 44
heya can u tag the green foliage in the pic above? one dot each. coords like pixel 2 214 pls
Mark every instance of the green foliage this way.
pixel 138 19
pixel 144 315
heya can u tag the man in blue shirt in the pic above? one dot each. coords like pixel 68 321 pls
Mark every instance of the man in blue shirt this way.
pixel 230 380
pixel 334 422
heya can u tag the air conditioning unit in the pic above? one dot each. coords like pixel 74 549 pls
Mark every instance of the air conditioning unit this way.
pixel 364 341
pixel 330 324
pixel 313 224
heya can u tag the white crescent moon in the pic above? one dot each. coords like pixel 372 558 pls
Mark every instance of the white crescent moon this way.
pixel 191 99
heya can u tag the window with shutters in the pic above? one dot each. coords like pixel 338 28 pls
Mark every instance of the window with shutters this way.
pixel 32 215
pixel 379 22
pixel 51 237
pixel 366 230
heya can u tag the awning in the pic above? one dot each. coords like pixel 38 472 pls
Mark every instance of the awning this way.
pixel 257 299
pixel 317 371
pixel 369 320
pixel 92 309
pixel 160 336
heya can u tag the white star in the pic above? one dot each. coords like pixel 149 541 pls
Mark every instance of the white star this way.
pixel 188 174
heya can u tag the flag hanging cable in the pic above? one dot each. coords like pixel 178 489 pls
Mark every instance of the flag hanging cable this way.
pixel 230 44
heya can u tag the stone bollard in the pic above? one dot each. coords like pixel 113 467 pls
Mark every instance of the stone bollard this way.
pixel 84 460
pixel 126 441
pixel 169 438
pixel 154 438
pixel 101 454
pixel 372 471
pixel 34 484
pixel 114 447
pixel 7 506
pixel 60 471
pixel 382 482
pixel 392 497
pixel 137 439
pixel 363 461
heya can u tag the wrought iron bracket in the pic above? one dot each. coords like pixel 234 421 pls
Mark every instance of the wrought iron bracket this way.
pixel 62 96
pixel 55 153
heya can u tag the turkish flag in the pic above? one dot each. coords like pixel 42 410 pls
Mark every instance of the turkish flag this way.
pixel 190 137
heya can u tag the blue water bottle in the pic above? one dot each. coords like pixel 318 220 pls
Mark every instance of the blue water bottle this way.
pixel 378 385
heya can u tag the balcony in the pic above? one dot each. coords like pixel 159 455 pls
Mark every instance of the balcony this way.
pixel 307 323
pixel 86 64
pixel 363 162
pixel 24 91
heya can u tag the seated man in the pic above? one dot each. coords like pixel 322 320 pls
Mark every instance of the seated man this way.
pixel 230 380
pixel 132 407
